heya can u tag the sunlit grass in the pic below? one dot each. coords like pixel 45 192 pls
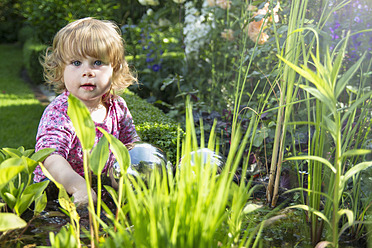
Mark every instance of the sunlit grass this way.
pixel 20 112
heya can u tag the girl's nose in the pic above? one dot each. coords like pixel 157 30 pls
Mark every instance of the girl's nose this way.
pixel 88 72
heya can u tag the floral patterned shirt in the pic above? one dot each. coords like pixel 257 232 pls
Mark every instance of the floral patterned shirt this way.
pixel 56 131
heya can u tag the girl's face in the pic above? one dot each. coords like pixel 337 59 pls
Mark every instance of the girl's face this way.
pixel 88 79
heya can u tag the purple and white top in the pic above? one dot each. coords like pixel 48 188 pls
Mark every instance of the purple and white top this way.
pixel 56 131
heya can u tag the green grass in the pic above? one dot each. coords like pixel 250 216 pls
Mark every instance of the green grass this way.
pixel 20 112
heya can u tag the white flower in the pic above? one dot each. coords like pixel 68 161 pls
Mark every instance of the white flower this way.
pixel 196 30
pixel 149 12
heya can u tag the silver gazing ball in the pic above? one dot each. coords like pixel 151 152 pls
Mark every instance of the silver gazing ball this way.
pixel 204 156
pixel 144 157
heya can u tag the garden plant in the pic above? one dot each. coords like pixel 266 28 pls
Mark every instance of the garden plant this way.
pixel 282 89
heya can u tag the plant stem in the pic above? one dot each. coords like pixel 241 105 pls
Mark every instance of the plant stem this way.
pixel 90 199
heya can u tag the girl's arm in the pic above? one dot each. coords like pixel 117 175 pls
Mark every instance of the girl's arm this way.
pixel 63 173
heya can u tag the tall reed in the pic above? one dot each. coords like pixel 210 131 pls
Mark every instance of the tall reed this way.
pixel 328 120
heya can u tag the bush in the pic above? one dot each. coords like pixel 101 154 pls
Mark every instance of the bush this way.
pixel 32 50
pixel 153 126
pixel 46 17
pixel 10 20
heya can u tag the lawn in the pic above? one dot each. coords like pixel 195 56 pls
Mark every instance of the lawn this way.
pixel 20 112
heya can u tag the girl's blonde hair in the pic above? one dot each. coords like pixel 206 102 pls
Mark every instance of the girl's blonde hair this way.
pixel 87 37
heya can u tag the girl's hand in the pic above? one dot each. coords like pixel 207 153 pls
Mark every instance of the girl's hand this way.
pixel 81 196
pixel 74 184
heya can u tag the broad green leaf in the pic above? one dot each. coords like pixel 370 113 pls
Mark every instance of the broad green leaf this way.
pixel 309 209
pixel 23 203
pixel 9 221
pixel 325 83
pixel 320 96
pixel 10 199
pixel 11 162
pixel 41 155
pixel 316 158
pixel 347 76
pixel 7 174
pixel 83 123
pixel 119 150
pixel 99 156
pixel 29 164
pixel 348 213
pixel 40 204
pixel 36 188
pixel 12 152
pixel 28 152
pixel 357 152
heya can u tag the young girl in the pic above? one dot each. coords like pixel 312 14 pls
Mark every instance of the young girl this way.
pixel 86 60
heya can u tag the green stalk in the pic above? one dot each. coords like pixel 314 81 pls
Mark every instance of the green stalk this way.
pixel 92 220
pixel 336 193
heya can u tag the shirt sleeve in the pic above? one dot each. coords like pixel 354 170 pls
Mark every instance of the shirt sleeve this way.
pixel 128 133
pixel 55 131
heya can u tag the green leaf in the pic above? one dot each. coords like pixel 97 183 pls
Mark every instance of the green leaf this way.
pixel 10 199
pixel 119 150
pixel 354 170
pixel 355 105
pixel 41 155
pixel 14 153
pixel 9 221
pixel 309 209
pixel 357 152
pixel 99 156
pixel 7 173
pixel 40 204
pixel 29 164
pixel 320 96
pixel 316 158
pixel 347 76
pixel 10 162
pixel 83 123
pixel 23 203
pixel 36 188
pixel 337 65
pixel 348 213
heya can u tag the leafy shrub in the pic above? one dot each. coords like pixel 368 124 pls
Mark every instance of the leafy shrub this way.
pixel 32 50
pixel 48 16
pixel 152 125
pixel 10 20
pixel 26 33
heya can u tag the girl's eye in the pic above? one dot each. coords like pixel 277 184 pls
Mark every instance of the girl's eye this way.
pixel 98 62
pixel 76 63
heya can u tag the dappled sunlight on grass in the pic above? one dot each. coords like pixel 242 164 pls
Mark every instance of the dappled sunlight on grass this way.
pixel 19 110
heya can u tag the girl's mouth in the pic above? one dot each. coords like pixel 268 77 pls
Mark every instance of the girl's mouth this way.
pixel 88 87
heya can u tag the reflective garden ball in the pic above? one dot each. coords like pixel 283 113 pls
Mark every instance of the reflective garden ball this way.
pixel 204 156
pixel 145 158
